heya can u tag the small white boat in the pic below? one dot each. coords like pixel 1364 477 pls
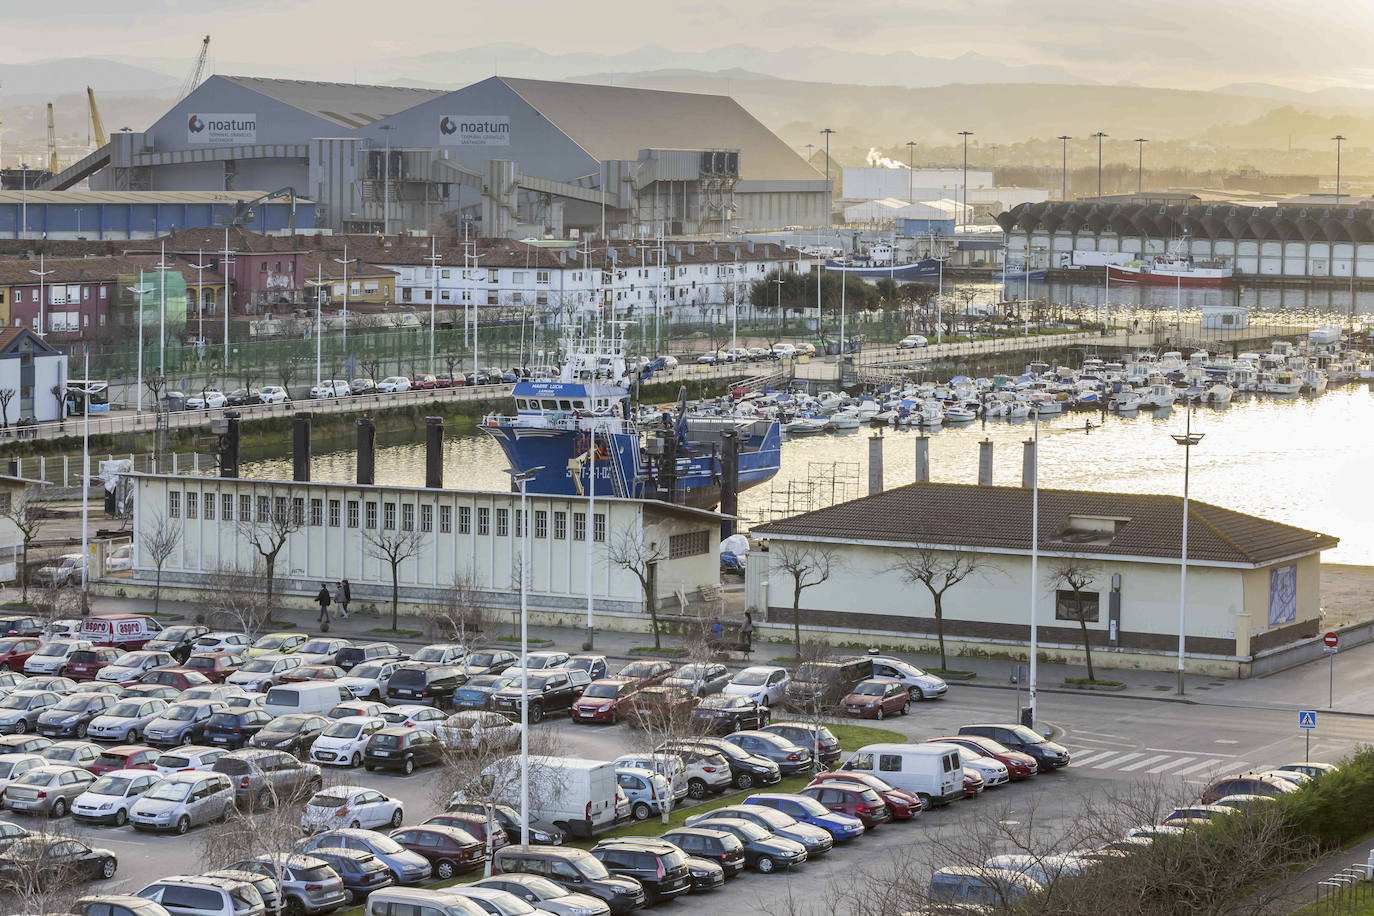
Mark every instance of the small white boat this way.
pixel 1161 394
pixel 1282 382
pixel 1218 395
pixel 844 419
pixel 957 413
pixel 805 426
pixel 1125 401
pixel 1314 381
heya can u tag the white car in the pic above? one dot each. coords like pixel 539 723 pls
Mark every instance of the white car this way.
pixel 394 383
pixel 66 571
pixel 351 806
pixel 471 730
pixel 545 658
pixel 369 679
pixel 133 665
pixel 341 744
pixel 109 798
pixel 321 650
pixel 330 388
pixel 120 559
pixel 52 658
pixel 425 718
pixel 274 394
pixel 189 757
pixel 439 653
pixel 221 641
pixel 764 684
pixel 61 628
pixel 784 351
pixel 353 709
pixel 912 342
pixel 12 766
pixel 994 772
pixel 920 684
pixel 206 399
pixel 245 700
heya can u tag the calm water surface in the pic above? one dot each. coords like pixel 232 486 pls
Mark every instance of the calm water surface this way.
pixel 1300 461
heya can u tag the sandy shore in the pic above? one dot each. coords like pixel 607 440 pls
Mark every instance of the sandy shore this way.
pixel 1346 594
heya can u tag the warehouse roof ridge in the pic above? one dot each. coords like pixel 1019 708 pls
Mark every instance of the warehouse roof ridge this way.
pixel 350 105
pixel 999 517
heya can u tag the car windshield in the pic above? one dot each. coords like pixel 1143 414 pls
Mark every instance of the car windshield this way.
pixel 326 800
pixel 638 669
pixel 52 648
pixel 175 634
pixel 6 767
pixel 482 659
pixel 282 726
pixel 201 661
pixel 430 654
pixel 343 730
pixel 751 678
pixel 269 642
pixel 871 690
pixel 385 845
pixel 110 785
pixel 75 702
pixel 169 791
pixel 483 681
pixel 723 701
pixel 15 701
pixel 542 888
pixel 745 830
pixel 370 670
pixel 179 713
pixel 386 741
pixel 602 690
pixel 209 641
pixel 689 672
pixel 591 869
pixel 1026 736
pixel 317 647
pixel 39 777
pixel 809 805
pixel 131 659
pixel 815 671
pixel 259 665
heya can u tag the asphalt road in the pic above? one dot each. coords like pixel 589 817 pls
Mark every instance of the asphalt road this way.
pixel 1115 741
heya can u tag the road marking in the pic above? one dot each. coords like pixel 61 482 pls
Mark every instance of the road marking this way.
pixel 1209 762
pixel 1095 755
pixel 1111 762
pixel 1169 750
pixel 1225 741
pixel 1177 762
pixel 1144 763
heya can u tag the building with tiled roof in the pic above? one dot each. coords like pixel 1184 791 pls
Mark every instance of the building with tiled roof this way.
pixel 1253 584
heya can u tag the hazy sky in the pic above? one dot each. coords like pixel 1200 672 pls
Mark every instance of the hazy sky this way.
pixel 1180 43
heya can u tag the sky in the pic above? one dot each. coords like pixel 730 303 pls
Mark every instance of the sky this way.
pixel 1173 43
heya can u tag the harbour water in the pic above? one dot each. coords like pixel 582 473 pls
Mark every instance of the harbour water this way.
pixel 1301 461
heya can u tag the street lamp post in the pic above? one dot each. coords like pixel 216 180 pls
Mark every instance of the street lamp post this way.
pixel 434 259
pixel 522 478
pixel 910 170
pixel 200 296
pixel 85 488
pixel 1339 140
pixel 963 211
pixel 1035 564
pixel 1099 135
pixel 344 261
pixel 162 267
pixel 225 264
pixel 1140 165
pixel 1187 440
pixel 40 273
pixel 319 324
pixel 139 291
pixel 827 131
pixel 1064 167
pixel 24 198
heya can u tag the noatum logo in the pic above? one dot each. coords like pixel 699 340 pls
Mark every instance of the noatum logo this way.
pixel 474 130
pixel 196 125
pixel 446 126
pixel 228 125
pixel 485 127
pixel 222 128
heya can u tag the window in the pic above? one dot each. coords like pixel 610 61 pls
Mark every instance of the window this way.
pixel 426 518
pixel 445 519
pixel 192 504
pixel 208 500
pixel 689 544
pixel 389 516
pixel 493 275
pixel 408 517
pixel 502 522
pixel 541 276
pixel 517 276
pixel 579 526
pixel 519 523
pixel 371 515
pixel 298 510
pixel 483 520
pixel 599 527
pixel 333 513
pixel 174 503
pixel 264 508
pixel 560 526
pixel 541 523
pixel 464 519
pixel 353 513
pixel 1066 606
pixel 316 513
pixel 245 508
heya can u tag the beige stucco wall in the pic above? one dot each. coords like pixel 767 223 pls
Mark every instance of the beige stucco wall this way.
pixel 1309 593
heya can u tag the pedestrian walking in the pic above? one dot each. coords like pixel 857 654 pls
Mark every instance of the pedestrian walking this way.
pixel 345 595
pixel 323 600
pixel 746 632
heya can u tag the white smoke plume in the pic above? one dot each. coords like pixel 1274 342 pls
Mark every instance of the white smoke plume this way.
pixel 878 160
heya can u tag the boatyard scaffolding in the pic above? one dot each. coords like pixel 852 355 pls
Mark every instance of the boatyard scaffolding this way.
pixel 827 483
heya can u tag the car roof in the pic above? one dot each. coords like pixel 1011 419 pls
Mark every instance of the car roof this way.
pixel 768 668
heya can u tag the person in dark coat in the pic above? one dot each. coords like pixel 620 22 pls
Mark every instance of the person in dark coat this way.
pixel 345 595
pixel 323 600
pixel 746 632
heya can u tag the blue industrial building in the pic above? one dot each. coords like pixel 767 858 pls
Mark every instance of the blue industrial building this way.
pixel 97 215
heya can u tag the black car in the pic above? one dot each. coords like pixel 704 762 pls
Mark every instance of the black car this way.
pixel 235 727
pixel 72 714
pixel 660 866
pixel 426 684
pixel 399 748
pixel 1048 754
pixel 763 851
pixel 746 770
pixel 348 658
pixel 294 732
pixel 488 661
pixel 361 871
pixel 790 758
pixel 242 397
pixel 41 858
pixel 822 685
pixel 719 846
pixel 509 820
pixel 20 626
pixel 177 641
pixel 818 738
pixel 705 874
pixel 722 713
pixel 576 870
pixel 551 690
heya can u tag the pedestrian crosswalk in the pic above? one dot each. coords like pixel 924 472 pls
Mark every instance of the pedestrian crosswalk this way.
pixel 1147 761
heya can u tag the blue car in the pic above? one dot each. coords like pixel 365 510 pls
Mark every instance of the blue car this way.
pixel 406 867
pixel 809 811
pixel 476 692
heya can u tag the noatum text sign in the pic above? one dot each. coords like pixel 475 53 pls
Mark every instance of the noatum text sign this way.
pixel 222 129
pixel 474 130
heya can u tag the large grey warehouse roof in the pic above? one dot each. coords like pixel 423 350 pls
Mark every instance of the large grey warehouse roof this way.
pixel 346 104
pixel 616 122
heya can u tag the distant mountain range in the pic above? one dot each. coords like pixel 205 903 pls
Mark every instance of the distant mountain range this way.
pixel 43 81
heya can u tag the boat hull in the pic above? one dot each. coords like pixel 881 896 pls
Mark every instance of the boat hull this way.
pixel 1213 280
pixel 927 269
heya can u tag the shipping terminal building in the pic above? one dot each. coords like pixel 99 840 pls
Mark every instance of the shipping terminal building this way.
pixel 508 157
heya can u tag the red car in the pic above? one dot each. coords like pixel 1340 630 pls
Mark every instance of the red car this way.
pixel 877 698
pixel 180 678
pixel 854 800
pixel 1019 765
pixel 973 783
pixel 424 381
pixel 903 804
pixel 125 757
pixel 474 824
pixel 215 665
pixel 443 380
pixel 602 700
pixel 85 663
pixel 646 673
pixel 15 650
pixel 312 673
pixel 448 850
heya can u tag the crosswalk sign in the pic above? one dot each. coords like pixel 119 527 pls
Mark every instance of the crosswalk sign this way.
pixel 1307 719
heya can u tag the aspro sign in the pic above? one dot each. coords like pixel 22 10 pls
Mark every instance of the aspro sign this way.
pixel 222 129
pixel 474 130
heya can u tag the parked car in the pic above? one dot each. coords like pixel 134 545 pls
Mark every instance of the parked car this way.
pixel 476 692
pixel 596 666
pixel 603 700
pixel 361 872
pixel 852 799
pixel 421 718
pixel 805 810
pixel 126 719
pixel 472 730
pixel 488 661
pixel 790 758
pixel 85 664
pixel 274 394
pixel 207 399
pixel 350 806
pixel 125 757
pixel 747 770
pixel 575 870
pixel 23 744
pixel 1019 765
pixel 363 385
pixel 877 698
pixel 215 667
pixel 235 728
pixel 368 679
pixel 53 858
pixel 262 673
pixel 178 679
pixel 72 714
pixel 1194 815
pixel 764 852
pixel 700 678
pixel 15 650
pixel 658 865
pixel 424 382
pixel 48 790
pixel 921 684
pixel 355 655
pixel 302 673
pixel 181 723
pixel 66 571
pixel 723 713
pixel 330 388
pixel 107 800
pixel 341 744
pixel 424 684
pixel 309 884
pixel 120 559
pixel 903 804
pixel 130 667
pixel 552 690
pixel 1246 784
pixel 1048 755
pixel 816 840
pixel 487 832
pixel 183 800
pixel 20 710
pixel 448 380
pixel 199 895
pixel 979 886
pixel 54 656
pixel 824 684
pixel 177 641
pixel 912 341
pixel 405 866
pixel 189 758
pixel 764 684
pixel 646 791
pixel 822 743
pixel 293 733
pixel 277 644
pixel 71 753
pixel 14 765
pixel 1311 768
pixel 402 749
pixel 393 384
pixel 646 673
pixel 448 850
pixel 661 703
pixel 265 778
pixel 244 397
pixel 509 821
pixel 543 894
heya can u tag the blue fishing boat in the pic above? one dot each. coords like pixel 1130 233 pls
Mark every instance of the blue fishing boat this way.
pixel 880 262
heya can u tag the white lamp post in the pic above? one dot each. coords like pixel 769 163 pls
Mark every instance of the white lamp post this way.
pixel 433 260
pixel 40 273
pixel 224 264
pixel 162 267
pixel 200 295
pixel 344 261
pixel 522 478
pixel 139 291
pixel 1035 564
pixel 1187 440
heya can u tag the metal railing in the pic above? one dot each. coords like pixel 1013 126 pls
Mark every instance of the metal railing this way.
pixel 1345 891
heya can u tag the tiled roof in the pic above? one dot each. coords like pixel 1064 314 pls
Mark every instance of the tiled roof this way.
pixel 16 272
pixel 968 515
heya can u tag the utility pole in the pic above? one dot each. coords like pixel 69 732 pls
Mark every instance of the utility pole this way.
pixel 139 292
pixel 162 267
pixel 433 259
pixel 1187 440
pixel 1099 135
pixel 1140 165
pixel 319 322
pixel 1339 140
pixel 1064 168
pixel 963 211
pixel 827 131
pixel 223 269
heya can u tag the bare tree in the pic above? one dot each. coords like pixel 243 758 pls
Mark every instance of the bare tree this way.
pixel 45 878
pixel 263 836
pixel 628 550
pixel 286 372
pixel 156 383
pixel 808 565
pixel 6 396
pixel 1075 575
pixel 458 615
pixel 939 571
pixel 394 546
pixel 237 600
pixel 27 515
pixel 160 539
pixel 268 531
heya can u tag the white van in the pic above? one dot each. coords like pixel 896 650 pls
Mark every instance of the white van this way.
pixel 317 697
pixel 406 901
pixel 932 771
pixel 572 793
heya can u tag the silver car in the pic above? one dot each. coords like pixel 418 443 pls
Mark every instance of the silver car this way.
pixel 183 800
pixel 125 720
pixel 131 666
pixel 20 710
pixel 181 723
pixel 48 790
